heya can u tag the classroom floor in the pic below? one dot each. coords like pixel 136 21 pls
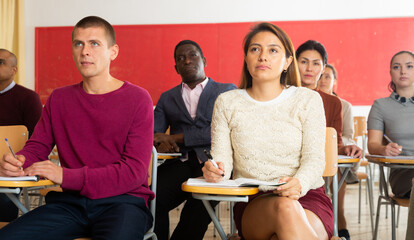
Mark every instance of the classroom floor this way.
pixel 357 231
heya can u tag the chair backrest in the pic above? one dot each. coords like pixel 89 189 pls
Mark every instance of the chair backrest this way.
pixel 152 181
pixel 360 127
pixel 331 153
pixel 16 135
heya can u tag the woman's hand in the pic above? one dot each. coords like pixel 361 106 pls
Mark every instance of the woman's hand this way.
pixel 392 149
pixel 291 189
pixel 211 173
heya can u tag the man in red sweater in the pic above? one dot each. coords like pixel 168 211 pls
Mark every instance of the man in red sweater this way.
pixel 103 129
pixel 18 106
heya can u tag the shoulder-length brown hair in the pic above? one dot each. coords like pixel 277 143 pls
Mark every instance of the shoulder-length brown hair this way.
pixel 291 76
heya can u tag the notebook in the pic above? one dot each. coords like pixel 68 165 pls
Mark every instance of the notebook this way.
pixel 24 178
pixel 392 157
pixel 239 182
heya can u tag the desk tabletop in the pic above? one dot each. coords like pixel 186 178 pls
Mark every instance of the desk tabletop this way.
pixel 165 156
pixel 389 160
pixel 348 160
pixel 220 190
pixel 26 183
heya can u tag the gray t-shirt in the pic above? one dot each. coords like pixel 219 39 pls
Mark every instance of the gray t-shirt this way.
pixel 395 118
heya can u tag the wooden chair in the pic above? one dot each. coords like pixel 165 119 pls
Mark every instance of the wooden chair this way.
pixel 360 126
pixel 206 194
pixel 385 196
pixel 152 181
pixel 410 220
pixel 17 136
pixel 331 169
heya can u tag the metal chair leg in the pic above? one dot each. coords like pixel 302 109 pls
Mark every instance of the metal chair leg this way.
pixel 374 237
pixel 218 217
pixel 398 216
pixel 371 202
pixel 393 220
pixel 359 202
pixel 232 223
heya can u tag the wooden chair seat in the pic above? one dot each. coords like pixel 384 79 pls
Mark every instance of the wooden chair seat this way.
pixel 403 202
pixel 2 224
pixel 45 191
pixel 363 163
pixel 362 175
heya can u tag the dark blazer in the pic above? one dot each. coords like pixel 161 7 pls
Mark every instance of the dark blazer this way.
pixel 172 112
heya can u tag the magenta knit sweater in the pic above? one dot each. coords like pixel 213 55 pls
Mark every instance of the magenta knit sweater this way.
pixel 104 141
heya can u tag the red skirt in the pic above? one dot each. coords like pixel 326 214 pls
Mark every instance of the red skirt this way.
pixel 315 201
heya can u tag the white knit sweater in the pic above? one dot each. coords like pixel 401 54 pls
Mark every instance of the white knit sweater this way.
pixel 269 140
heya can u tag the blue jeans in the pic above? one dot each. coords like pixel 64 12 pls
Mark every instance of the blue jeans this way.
pixel 69 216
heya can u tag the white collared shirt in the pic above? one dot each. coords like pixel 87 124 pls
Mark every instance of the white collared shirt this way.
pixel 192 96
pixel 11 85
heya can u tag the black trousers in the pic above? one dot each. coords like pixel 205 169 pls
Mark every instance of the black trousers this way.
pixel 8 211
pixel 194 219
pixel 69 216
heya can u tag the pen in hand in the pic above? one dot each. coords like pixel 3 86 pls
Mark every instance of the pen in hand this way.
pixel 212 160
pixel 390 141
pixel 11 150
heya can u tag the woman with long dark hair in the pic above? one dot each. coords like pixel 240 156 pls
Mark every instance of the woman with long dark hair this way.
pixel 272 129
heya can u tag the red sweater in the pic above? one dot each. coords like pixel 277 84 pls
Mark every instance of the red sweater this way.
pixel 104 141
pixel 333 113
pixel 20 106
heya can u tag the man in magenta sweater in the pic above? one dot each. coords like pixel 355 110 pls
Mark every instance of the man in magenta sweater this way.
pixel 103 129
pixel 18 106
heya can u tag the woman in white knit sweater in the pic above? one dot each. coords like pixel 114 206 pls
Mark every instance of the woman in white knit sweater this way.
pixel 272 129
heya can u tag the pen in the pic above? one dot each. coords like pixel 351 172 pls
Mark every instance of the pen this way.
pixel 11 150
pixel 212 160
pixel 389 140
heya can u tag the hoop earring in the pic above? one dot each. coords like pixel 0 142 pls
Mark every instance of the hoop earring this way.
pixel 284 70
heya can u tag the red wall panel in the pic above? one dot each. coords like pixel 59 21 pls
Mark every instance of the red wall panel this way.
pixel 359 49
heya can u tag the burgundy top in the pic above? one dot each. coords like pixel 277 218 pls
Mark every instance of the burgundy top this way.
pixel 104 141
pixel 20 106
pixel 333 113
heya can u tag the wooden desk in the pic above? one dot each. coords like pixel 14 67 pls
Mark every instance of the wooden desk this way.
pixel 231 194
pixel 347 164
pixel 165 157
pixel 384 196
pixel 14 187
pixel 162 157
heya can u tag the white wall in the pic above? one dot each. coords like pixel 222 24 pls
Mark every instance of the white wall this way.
pixel 68 12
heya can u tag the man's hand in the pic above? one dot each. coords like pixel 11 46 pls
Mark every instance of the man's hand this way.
pixel 167 143
pixel 392 149
pixel 10 166
pixel 46 169
pixel 350 150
